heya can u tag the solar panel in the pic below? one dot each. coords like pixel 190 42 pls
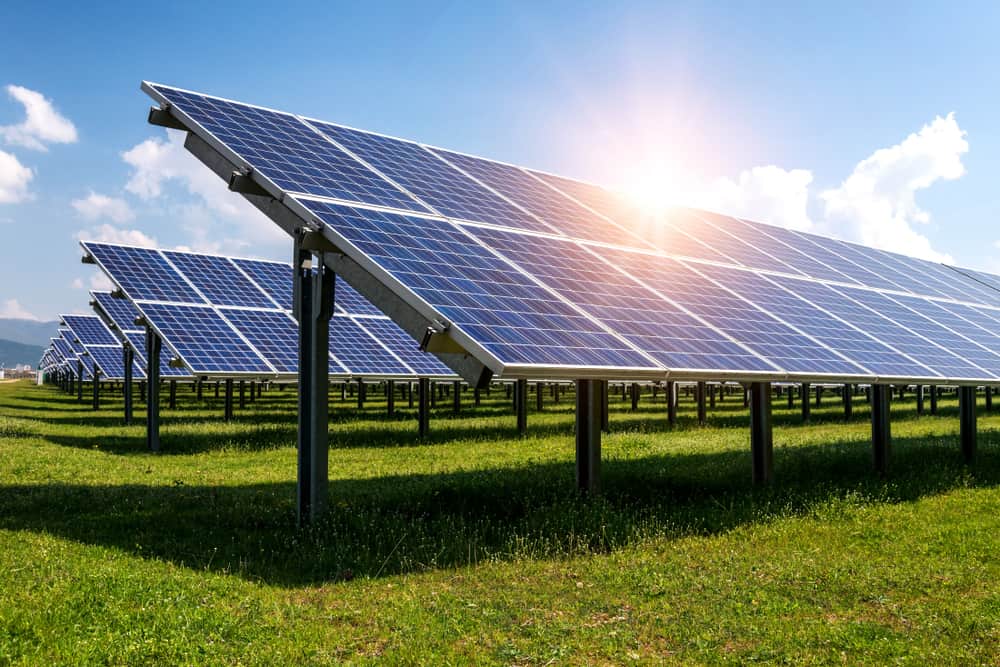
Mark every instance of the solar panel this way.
pixel 433 181
pixel 121 311
pixel 89 330
pixel 287 151
pixel 274 278
pixel 778 296
pixel 204 340
pixel 533 271
pixel 274 334
pixel 137 340
pixel 142 273
pixel 402 345
pixel 560 212
pixel 670 335
pixel 515 319
pixel 219 280
pixel 982 277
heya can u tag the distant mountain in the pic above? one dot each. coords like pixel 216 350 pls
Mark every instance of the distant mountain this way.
pixel 28 332
pixel 13 353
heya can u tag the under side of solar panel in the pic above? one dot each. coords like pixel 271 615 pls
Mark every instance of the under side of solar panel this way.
pixel 517 321
pixel 137 340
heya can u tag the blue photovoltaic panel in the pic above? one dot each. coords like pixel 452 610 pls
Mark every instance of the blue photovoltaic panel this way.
pixel 666 332
pixel 771 243
pixel 81 355
pixel 955 285
pixel 822 250
pixel 288 152
pixel 274 278
pixel 884 320
pixel 347 298
pixel 403 346
pixel 533 195
pixel 955 333
pixel 274 334
pixel 359 352
pixel 835 334
pixel 89 329
pixel 142 273
pixel 782 346
pixel 987 318
pixel 888 265
pixel 503 310
pixel 988 279
pixel 109 359
pixel 137 339
pixel 434 182
pixel 219 280
pixel 62 347
pixel 121 311
pixel 705 227
pixel 203 339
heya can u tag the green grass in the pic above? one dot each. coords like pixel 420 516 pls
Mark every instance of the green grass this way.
pixel 473 547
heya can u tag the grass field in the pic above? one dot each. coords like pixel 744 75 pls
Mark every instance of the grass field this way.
pixel 473 547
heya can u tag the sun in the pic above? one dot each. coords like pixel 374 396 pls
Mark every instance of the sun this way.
pixel 651 187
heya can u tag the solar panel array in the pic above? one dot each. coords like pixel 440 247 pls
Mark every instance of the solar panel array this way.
pixel 95 344
pixel 226 316
pixel 121 316
pixel 541 274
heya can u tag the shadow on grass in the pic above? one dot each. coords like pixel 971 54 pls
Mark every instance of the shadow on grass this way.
pixel 413 523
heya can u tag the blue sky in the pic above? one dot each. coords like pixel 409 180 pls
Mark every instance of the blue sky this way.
pixel 831 117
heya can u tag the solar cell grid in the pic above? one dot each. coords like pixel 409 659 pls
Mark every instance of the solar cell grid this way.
pixel 121 311
pixel 143 273
pixel 513 318
pixel 559 211
pixel 288 152
pixel 773 246
pixel 953 284
pixel 772 296
pixel 203 339
pixel 670 335
pixel 403 346
pixel 824 251
pixel 274 278
pixel 440 185
pixel 982 277
pixel 219 280
pixel 782 346
pixel 274 334
pixel 90 330
pixel 709 228
pixel 888 265
pixel 359 352
pixel 886 320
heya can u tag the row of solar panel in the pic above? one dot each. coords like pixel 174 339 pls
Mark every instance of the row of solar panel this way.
pixel 533 299
pixel 320 159
pixel 228 316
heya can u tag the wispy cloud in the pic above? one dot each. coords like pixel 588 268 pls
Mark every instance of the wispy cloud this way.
pixel 42 123
pixel 12 309
pixel 96 206
pixel 14 179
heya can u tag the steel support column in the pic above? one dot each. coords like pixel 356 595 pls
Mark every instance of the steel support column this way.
pixel 521 405
pixel 588 434
pixel 671 403
pixel 700 398
pixel 97 388
pixel 989 399
pixel 761 438
pixel 967 417
pixel 848 398
pixel 538 396
pixel 128 356
pixel 934 399
pixel 79 383
pixel 390 397
pixel 228 404
pixel 153 391
pixel 423 407
pixel 605 425
pixel 806 405
pixel 456 399
pixel 173 395
pixel 634 391
pixel 881 429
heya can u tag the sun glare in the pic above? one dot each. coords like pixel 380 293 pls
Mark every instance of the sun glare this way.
pixel 651 187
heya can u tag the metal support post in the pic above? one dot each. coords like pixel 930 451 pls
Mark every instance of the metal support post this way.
pixel 588 434
pixel 128 356
pixel 761 438
pixel 671 403
pixel 700 397
pixel 881 430
pixel 423 409
pixel 967 417
pixel 521 397
pixel 153 346
pixel 228 405
pixel 804 392
pixel 390 397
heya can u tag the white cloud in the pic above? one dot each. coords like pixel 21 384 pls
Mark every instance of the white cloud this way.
pixel 876 204
pixel 99 282
pixel 42 123
pixel 156 162
pixel 771 194
pixel 97 206
pixel 110 234
pixel 14 179
pixel 77 283
pixel 11 309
